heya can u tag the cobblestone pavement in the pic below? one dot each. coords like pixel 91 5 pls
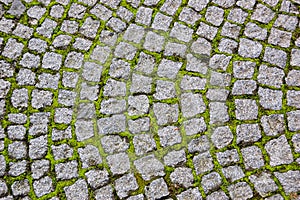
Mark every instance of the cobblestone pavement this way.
pixel 150 99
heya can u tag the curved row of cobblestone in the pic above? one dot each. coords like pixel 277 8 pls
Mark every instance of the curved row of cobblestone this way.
pixel 149 99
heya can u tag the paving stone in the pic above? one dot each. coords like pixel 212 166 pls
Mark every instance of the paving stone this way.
pixel 114 88
pixel 92 71
pixel 174 158
pixel 296 142
pixel 113 106
pixel 200 144
pixel 270 76
pixel 149 167
pixel 194 126
pixel 104 193
pixel 38 147
pixel 228 46
pixel 292 78
pixel 230 30
pixel 63 115
pixel 43 186
pixel 161 22
pixel 89 92
pixel 108 37
pixel 48 81
pixel 192 104
pixel 270 99
pixel 47 27
pixel 23 31
pixel 243 69
pixel 181 32
pixel 207 31
pixel 143 144
pixel 217 94
pixel 6 69
pixel 17 8
pixel 37 45
pixel 246 109
pixel 295 61
pixel 219 61
pixel 201 46
pixel 41 99
pixel 293 98
pixel 280 38
pixel 16 118
pixel 262 14
pixel 273 124
pixel 76 11
pixel 289 180
pixel 189 16
pixel 217 195
pixel 114 144
pixel 40 118
pixel 12 49
pixel 192 193
pixel 175 49
pixel 84 129
pixel 89 28
pixel 139 125
pixel 220 79
pixel 240 190
pixel 211 181
pixel 25 77
pixel 16 132
pixel 101 12
pixel 275 56
pixel 242 87
pixel 125 50
pixel 105 124
pixel 165 113
pixel 62 151
pixel 2 165
pixel 218 113
pixel 275 197
pixel 36 12
pixel 169 136
pixel 69 26
pixel 287 22
pixel 82 44
pixel 203 162
pixel 254 31
pixel 233 173
pixel 97 178
pixel 66 170
pixel 112 4
pixel 138 105
pixel 86 111
pixel 197 65
pixel 164 90
pixel 61 134
pixel 279 151
pixel 89 156
pixel 182 176
pixel 118 163
pixel 153 42
pixel 144 15
pixel 70 79
pixel 214 15
pixel 253 158
pixel 125 185
pixel 62 41
pixel 263 183
pixel 74 60
pixel 20 188
pixel 248 133
pixel 221 136
pixel 30 60
pixel 18 168
pixel 77 191
pixel 100 53
pixel 228 157
pixel 17 150
pixel 157 189
pixel 237 15
pixel 125 14
pixel 66 97
pixel 136 197
pixel 249 48
pixel 141 84
pixel 119 69
pixel 57 11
